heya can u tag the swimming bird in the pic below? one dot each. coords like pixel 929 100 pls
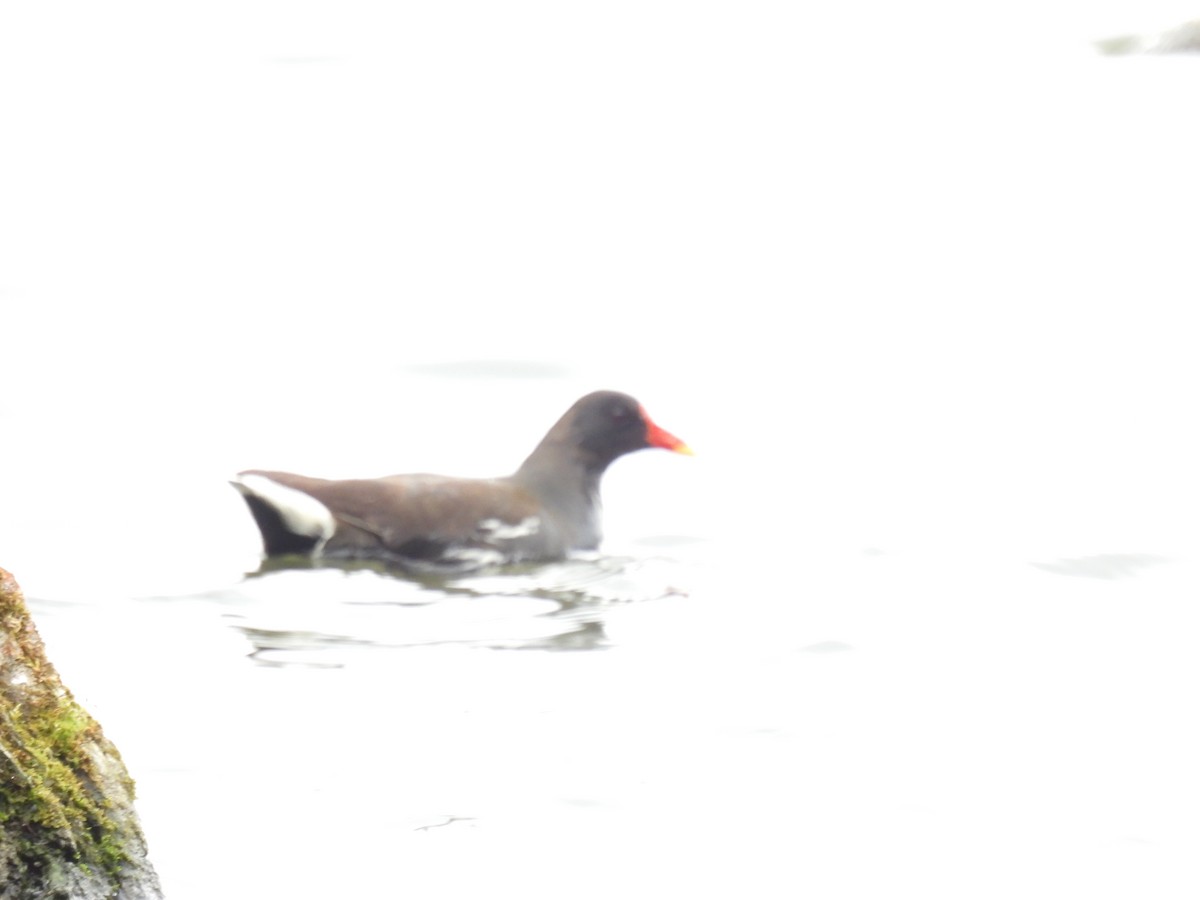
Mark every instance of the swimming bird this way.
pixel 545 510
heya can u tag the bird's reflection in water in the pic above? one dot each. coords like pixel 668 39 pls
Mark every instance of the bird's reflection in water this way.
pixel 299 611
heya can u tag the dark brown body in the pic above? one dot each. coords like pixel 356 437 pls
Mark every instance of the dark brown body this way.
pixel 422 518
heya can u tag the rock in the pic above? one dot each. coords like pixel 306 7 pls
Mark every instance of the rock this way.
pixel 1183 38
pixel 68 830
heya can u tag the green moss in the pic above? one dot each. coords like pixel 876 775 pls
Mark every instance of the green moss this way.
pixel 51 788
pixel 54 795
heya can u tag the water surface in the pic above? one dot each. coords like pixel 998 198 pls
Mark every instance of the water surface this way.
pixel 918 289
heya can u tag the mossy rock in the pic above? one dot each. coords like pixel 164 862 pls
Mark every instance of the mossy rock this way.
pixel 67 823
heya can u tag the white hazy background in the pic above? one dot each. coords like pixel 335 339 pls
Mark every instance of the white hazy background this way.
pixel 935 246
pixel 916 280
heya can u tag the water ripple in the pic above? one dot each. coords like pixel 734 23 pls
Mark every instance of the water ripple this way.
pixel 321 615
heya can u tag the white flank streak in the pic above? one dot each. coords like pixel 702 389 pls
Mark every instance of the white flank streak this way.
pixel 475 556
pixel 502 531
pixel 301 513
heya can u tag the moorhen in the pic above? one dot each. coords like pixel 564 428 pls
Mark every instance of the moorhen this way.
pixel 549 507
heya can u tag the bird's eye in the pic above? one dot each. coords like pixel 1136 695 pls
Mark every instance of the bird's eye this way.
pixel 619 413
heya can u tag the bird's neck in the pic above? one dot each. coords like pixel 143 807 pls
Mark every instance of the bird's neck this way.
pixel 569 490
